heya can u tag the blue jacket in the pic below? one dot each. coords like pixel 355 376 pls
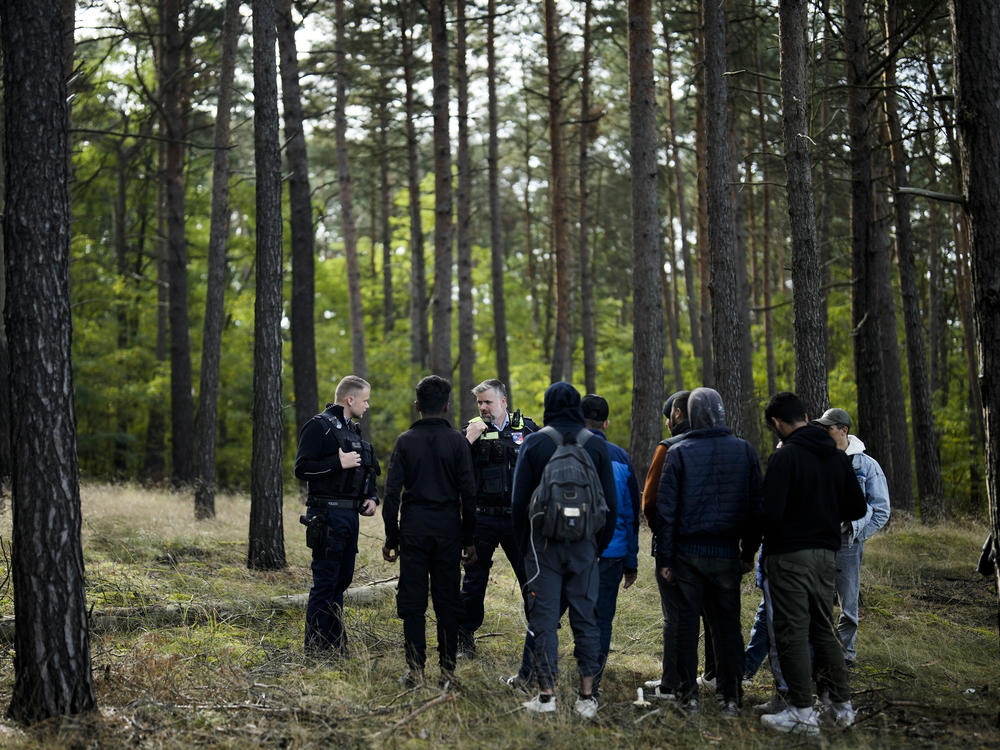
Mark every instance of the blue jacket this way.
pixel 873 486
pixel 625 542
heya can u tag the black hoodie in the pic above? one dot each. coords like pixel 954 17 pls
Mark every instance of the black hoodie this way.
pixel 562 411
pixel 809 488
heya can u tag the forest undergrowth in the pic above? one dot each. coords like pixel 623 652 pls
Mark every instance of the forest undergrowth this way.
pixel 192 650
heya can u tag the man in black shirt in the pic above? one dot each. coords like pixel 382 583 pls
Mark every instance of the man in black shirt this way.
pixel 430 479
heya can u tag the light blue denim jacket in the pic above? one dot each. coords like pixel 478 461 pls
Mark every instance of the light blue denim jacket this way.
pixel 875 488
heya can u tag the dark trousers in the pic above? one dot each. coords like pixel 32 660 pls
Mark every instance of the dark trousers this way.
pixel 711 584
pixel 333 571
pixel 439 559
pixel 611 570
pixel 669 599
pixel 561 572
pixel 801 585
pixel 491 532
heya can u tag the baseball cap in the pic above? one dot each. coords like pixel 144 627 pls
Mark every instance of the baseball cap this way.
pixel 668 405
pixel 595 408
pixel 833 417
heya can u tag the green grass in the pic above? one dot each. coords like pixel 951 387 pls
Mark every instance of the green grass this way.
pixel 235 676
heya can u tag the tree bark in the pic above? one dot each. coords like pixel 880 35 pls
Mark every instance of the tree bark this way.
pixel 561 365
pixel 419 347
pixel 172 78
pixel 809 321
pixel 767 275
pixel 211 349
pixel 266 549
pixel 724 285
pixel 976 31
pixel 385 188
pixel 359 361
pixel 587 127
pixel 466 322
pixel 300 223
pixel 647 261
pixel 925 439
pixel 154 461
pixel 872 424
pixel 443 226
pixel 705 324
pixel 496 217
pixel 52 670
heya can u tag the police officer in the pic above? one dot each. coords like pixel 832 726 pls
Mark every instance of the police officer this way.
pixel 495 437
pixel 340 468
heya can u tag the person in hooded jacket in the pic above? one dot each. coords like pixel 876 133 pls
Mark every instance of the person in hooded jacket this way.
pixel 871 478
pixel 809 490
pixel 561 572
pixel 708 509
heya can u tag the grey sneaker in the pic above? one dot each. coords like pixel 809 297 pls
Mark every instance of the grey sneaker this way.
pixel 586 706
pixel 775 704
pixel 793 720
pixel 692 706
pixel 730 710
pixel 707 682
pixel 838 714
pixel 412 678
pixel 537 706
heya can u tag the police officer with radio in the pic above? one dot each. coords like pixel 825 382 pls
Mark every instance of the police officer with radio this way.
pixel 495 437
pixel 340 468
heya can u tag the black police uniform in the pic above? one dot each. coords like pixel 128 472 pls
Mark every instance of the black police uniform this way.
pixel 335 498
pixel 493 457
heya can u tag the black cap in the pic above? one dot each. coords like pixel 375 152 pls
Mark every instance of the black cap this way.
pixel 668 405
pixel 595 408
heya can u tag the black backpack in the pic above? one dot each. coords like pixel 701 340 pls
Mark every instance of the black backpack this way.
pixel 568 504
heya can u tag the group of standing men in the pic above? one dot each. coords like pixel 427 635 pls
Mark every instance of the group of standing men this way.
pixel 452 496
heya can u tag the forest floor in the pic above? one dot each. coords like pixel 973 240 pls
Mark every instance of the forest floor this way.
pixel 228 671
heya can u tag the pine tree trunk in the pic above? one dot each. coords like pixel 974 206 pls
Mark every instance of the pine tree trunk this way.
pixel 724 285
pixel 496 217
pixel 172 79
pixel 647 336
pixel 703 253
pixel 443 226
pixel 872 424
pixel 300 223
pixel 419 346
pixel 52 670
pixel 154 461
pixel 767 275
pixel 359 361
pixel 211 349
pixel 266 549
pixel 558 195
pixel 587 325
pixel 385 188
pixel 809 341
pixel 463 205
pixel 925 439
pixel 976 29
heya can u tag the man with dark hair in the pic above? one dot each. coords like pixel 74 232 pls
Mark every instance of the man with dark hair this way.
pixel 495 438
pixel 809 490
pixel 430 476
pixel 676 416
pixel 340 469
pixel 620 558
pixel 561 571
pixel 708 508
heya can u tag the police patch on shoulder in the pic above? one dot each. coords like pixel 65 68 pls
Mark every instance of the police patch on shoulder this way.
pixel 518 437
pixel 337 424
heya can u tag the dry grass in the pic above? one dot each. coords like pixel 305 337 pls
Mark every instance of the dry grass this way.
pixel 240 680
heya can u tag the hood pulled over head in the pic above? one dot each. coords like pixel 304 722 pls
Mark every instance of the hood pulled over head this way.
pixel 705 409
pixel 562 402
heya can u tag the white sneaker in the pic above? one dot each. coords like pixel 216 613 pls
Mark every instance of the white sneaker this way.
pixel 843 713
pixel 586 707
pixel 707 683
pixel 657 693
pixel 537 706
pixel 794 720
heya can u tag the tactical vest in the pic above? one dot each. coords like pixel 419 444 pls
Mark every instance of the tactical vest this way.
pixel 350 484
pixel 493 457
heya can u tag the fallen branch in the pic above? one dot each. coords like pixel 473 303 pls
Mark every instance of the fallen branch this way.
pixel 443 698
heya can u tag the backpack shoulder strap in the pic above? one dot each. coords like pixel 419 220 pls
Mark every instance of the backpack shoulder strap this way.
pixel 553 434
pixel 583 436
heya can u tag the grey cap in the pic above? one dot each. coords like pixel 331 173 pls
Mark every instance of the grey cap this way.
pixel 834 417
